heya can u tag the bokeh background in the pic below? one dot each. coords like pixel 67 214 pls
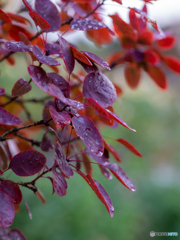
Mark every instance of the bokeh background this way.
pixel 155 114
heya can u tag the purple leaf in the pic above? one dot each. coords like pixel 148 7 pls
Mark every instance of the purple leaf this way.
pixel 88 68
pixel 7 118
pixel 67 54
pixel 21 87
pixel 93 57
pixel 85 24
pixel 2 91
pixel 89 134
pixel 61 83
pixel 43 58
pixel 47 10
pixel 12 189
pixel 100 88
pixel 105 172
pixel 119 120
pixel 53 49
pixel 59 183
pixel 64 166
pixel 39 21
pixel 16 234
pixel 27 163
pixel 14 46
pixel 40 77
pixel 7 211
pixel 120 175
pixel 56 92
pixel 46 144
pixel 60 118
pixel 101 160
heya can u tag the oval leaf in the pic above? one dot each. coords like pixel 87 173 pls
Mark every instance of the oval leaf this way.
pixel 7 118
pixel 13 190
pixel 7 211
pixel 27 163
pixel 39 21
pixel 173 63
pixel 132 74
pixel 47 10
pixel 157 76
pixel 120 175
pixel 89 134
pixel 59 183
pixel 167 42
pixel 21 87
pixel 100 88
pixel 93 57
pixel 16 234
pixel 60 118
pixel 85 24
pixel 64 166
pixel 42 58
pixel 46 144
pixel 14 46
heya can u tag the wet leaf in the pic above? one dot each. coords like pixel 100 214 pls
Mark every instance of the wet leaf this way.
pixel 89 134
pixel 12 189
pixel 105 172
pixel 60 118
pixel 21 87
pixel 85 24
pixel 16 234
pixel 59 183
pixel 93 57
pixel 46 143
pixel 64 166
pixel 27 163
pixel 7 118
pixel 67 54
pixel 99 159
pixel 80 56
pixel 39 21
pixel 48 11
pixel 14 46
pixel 43 58
pixel 120 175
pixel 7 211
pixel 100 88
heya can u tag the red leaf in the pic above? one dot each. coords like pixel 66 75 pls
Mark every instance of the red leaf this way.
pixel 132 74
pixel 173 63
pixel 14 46
pixel 19 18
pixel 7 211
pixel 12 189
pixel 42 58
pixel 93 57
pixel 39 21
pixel 87 164
pixel 167 42
pixel 21 87
pixel 27 5
pixel 120 175
pixel 80 56
pixel 157 76
pixel 133 19
pixel 2 91
pixel 4 17
pixel 85 24
pixel 46 143
pixel 119 120
pixel 151 57
pixel 27 163
pixel 64 166
pixel 113 151
pixel 59 183
pixel 100 88
pixel 105 172
pixel 7 118
pixel 118 1
pixel 67 54
pixel 101 194
pixel 129 146
pixel 124 28
pixel 146 37
pixel 60 118
pixel 48 11
pixel 99 109
pixel 89 134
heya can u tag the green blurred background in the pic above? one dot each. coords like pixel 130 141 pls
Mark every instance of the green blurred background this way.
pixel 153 207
